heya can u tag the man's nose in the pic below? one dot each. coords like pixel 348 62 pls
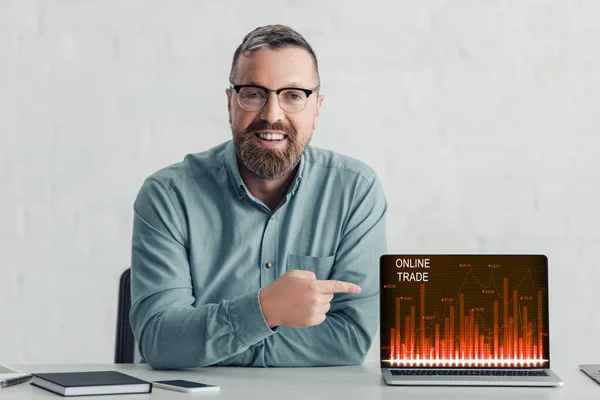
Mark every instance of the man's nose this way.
pixel 272 112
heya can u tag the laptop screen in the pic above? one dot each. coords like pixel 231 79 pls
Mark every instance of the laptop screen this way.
pixel 464 311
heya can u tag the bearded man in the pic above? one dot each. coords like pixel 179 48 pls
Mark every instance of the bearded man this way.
pixel 262 251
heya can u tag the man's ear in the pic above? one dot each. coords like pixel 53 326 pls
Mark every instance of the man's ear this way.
pixel 319 103
pixel 228 92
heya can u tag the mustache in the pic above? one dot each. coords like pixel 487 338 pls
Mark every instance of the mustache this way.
pixel 265 126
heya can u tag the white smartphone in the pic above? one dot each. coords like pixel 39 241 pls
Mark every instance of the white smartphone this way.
pixel 181 385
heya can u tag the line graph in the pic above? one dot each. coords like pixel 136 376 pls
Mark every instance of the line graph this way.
pixel 485 312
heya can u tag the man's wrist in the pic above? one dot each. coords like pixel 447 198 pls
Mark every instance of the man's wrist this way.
pixel 265 308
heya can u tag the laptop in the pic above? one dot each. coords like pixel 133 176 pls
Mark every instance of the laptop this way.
pixel 591 370
pixel 467 320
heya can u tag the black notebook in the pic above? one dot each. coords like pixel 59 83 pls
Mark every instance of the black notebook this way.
pixel 90 383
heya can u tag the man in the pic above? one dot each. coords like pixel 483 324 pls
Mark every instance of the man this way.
pixel 262 251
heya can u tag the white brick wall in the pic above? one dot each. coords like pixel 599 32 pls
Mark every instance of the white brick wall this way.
pixel 480 117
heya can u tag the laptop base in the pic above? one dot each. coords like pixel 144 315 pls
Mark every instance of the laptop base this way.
pixel 551 380
pixel 591 370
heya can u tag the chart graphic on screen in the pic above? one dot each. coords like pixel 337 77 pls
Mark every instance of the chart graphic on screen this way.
pixel 452 311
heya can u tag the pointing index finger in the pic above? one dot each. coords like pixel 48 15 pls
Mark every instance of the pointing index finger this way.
pixel 335 286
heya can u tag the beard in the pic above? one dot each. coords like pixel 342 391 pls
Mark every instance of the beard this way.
pixel 268 164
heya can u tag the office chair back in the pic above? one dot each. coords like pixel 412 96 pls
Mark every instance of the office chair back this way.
pixel 126 347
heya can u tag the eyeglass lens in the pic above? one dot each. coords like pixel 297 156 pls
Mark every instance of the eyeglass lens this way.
pixel 254 98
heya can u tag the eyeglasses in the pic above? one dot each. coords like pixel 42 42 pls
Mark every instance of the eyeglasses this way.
pixel 291 100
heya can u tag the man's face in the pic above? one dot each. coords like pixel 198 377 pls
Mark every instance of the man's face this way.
pixel 258 134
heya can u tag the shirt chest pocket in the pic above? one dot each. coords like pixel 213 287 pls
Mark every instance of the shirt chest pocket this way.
pixel 321 266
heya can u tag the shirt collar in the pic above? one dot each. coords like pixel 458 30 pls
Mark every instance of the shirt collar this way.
pixel 237 184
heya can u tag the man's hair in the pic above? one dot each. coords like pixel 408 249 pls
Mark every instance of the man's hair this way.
pixel 272 37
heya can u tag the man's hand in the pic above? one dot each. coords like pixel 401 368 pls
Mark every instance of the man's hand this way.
pixel 298 300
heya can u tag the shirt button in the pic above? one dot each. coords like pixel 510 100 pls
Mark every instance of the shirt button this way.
pixel 268 264
pixel 241 193
pixel 273 217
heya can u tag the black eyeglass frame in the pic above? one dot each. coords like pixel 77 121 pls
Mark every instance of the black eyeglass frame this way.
pixel 308 92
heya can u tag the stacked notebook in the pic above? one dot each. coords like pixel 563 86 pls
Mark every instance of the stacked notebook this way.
pixel 90 383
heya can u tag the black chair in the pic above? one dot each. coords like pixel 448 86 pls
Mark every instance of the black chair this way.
pixel 126 349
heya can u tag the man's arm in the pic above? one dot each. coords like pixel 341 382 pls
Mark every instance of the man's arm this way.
pixel 171 332
pixel 346 335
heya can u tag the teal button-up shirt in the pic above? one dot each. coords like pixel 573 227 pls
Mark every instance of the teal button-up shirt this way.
pixel 203 246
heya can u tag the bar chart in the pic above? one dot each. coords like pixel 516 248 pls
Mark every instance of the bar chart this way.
pixel 482 313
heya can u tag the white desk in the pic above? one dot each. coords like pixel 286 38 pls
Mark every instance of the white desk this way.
pixel 346 383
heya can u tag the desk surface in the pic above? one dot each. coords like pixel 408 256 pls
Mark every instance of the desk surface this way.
pixel 357 382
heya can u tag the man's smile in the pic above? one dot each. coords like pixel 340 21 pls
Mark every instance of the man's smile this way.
pixel 271 139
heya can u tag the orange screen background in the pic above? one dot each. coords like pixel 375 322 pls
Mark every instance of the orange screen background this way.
pixel 474 311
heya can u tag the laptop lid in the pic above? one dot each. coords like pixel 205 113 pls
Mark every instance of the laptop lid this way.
pixel 464 311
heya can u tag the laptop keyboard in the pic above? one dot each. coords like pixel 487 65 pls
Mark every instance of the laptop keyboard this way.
pixel 470 372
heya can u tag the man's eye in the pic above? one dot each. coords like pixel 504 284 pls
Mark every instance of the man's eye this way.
pixel 294 96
